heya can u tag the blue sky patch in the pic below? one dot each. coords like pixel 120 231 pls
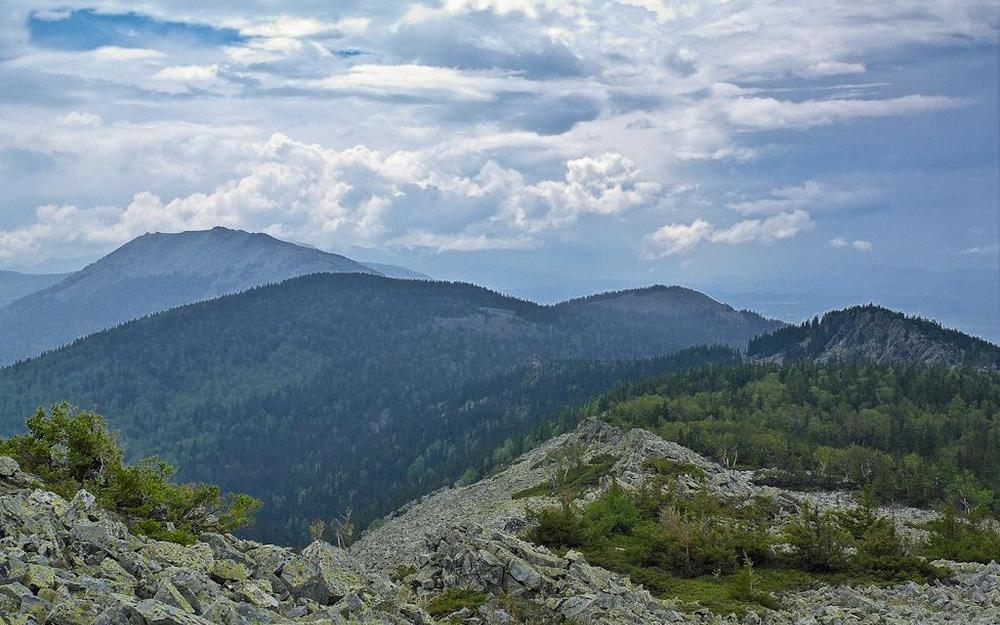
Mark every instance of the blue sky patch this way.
pixel 87 29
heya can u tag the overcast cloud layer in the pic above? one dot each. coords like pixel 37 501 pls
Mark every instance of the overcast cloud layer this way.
pixel 546 148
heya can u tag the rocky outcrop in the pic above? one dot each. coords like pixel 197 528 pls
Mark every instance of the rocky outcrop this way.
pixel 72 563
pixel 467 537
pixel 491 503
pixel 562 588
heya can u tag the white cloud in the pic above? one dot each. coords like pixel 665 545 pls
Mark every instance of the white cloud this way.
pixel 188 73
pixel 357 196
pixel 422 81
pixel 603 185
pixel 115 53
pixel 74 119
pixel 676 238
pixel 289 26
pixel 771 113
pixel 781 226
pixel 810 195
pixel 859 244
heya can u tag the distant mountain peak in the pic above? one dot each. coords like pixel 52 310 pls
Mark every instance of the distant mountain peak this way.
pixel 875 333
pixel 154 272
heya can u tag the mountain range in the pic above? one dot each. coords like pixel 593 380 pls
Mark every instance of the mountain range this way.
pixel 15 285
pixel 362 390
pixel 150 274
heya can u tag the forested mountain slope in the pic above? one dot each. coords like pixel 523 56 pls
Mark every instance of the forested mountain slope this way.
pixel 359 390
pixel 153 273
pixel 680 316
pixel 918 435
pixel 876 334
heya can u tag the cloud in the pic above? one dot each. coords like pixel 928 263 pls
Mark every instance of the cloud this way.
pixel 188 73
pixel 357 196
pixel 676 238
pixel 771 113
pixel 115 53
pixel 604 185
pixel 73 119
pixel 420 81
pixel 782 226
pixel 984 250
pixel 292 27
pixel 811 194
pixel 860 244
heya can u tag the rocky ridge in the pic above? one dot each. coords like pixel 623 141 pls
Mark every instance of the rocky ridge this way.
pixel 467 537
pixel 72 563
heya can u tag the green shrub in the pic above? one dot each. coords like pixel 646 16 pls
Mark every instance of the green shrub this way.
pixel 72 450
pixel 613 512
pixel 558 528
pixel 571 479
pixel 672 469
pixel 455 599
pixel 819 541
pixel 961 539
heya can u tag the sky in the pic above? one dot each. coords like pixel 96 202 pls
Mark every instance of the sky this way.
pixel 787 157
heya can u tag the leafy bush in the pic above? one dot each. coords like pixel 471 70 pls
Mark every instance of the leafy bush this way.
pixel 72 450
pixel 455 599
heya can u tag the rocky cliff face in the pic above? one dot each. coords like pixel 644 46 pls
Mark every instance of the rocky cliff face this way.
pixel 70 563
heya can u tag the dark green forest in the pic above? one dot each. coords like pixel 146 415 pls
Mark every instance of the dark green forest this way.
pixel 918 435
pixel 335 392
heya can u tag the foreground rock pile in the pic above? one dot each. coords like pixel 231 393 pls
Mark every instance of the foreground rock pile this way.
pixel 561 588
pixel 569 590
pixel 71 563
pixel 971 598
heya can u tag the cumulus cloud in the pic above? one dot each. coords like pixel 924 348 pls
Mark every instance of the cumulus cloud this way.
pixel 676 238
pixel 358 196
pixel 488 123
